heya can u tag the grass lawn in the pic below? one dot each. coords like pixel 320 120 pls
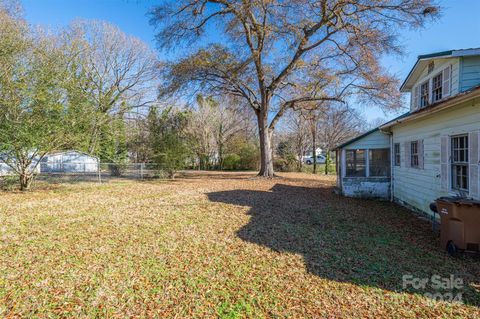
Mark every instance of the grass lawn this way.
pixel 219 245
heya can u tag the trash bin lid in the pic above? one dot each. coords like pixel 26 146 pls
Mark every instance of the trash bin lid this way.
pixel 469 202
pixel 459 200
pixel 449 199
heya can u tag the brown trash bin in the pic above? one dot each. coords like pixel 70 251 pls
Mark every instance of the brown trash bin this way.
pixel 460 224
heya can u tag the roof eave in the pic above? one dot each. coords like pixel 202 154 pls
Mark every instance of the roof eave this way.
pixel 461 98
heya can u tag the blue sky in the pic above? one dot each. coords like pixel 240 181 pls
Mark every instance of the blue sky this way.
pixel 459 27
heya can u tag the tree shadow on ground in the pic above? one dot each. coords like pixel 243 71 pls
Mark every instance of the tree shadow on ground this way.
pixel 350 240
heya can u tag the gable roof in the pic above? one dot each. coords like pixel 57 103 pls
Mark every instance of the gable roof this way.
pixel 423 60
pixel 371 131
pixel 357 138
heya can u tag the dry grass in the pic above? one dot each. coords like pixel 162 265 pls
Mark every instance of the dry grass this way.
pixel 218 245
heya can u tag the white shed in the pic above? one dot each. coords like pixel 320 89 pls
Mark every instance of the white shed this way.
pixel 69 162
pixel 7 170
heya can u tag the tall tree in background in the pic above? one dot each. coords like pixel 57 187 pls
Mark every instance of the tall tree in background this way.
pixel 115 72
pixel 202 127
pixel 212 125
pixel 168 139
pixel 312 116
pixel 299 133
pixel 336 126
pixel 278 55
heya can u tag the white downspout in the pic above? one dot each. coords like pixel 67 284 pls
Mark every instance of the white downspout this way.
pixel 392 164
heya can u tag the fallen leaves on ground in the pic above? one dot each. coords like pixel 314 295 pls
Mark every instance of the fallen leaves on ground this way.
pixel 222 245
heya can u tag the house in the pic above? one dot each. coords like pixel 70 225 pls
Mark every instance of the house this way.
pixel 433 150
pixel 69 162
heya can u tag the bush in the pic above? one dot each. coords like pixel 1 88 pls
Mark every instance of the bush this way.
pixel 285 165
pixel 249 156
pixel 232 161
pixel 8 182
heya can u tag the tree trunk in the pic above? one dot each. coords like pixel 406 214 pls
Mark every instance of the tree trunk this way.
pixel 327 162
pixel 25 180
pixel 266 156
pixel 314 151
pixel 220 156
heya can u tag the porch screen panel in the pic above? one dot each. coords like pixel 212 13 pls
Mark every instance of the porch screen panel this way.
pixel 356 163
pixel 379 162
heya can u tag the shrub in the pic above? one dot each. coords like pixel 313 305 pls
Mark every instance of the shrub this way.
pixel 249 156
pixel 285 165
pixel 232 161
pixel 8 182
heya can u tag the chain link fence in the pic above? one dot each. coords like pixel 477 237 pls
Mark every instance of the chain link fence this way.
pixel 100 172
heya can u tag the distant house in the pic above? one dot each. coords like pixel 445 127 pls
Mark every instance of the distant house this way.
pixel 69 162
pixel 429 152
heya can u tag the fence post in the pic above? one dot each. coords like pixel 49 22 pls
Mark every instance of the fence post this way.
pixel 99 172
pixel 141 170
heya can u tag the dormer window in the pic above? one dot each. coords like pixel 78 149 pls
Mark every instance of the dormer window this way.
pixel 424 94
pixel 437 82
pixel 432 89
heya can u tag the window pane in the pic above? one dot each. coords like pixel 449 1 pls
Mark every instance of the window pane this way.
pixel 414 154
pixel 460 162
pixel 397 154
pixel 379 162
pixel 424 94
pixel 437 87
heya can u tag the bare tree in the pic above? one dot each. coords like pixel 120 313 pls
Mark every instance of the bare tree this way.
pixel 202 128
pixel 277 54
pixel 312 116
pixel 232 122
pixel 337 125
pixel 213 123
pixel 299 134
pixel 118 70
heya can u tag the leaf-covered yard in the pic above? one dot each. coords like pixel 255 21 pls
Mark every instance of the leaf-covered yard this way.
pixel 219 245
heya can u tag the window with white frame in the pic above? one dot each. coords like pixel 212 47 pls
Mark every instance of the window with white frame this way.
pixel 433 89
pixel 459 146
pixel 396 151
pixel 414 154
pixel 424 94
pixel 356 163
pixel 437 82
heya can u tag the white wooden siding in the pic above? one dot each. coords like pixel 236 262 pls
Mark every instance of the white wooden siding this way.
pixel 419 187
pixel 470 76
pixel 373 140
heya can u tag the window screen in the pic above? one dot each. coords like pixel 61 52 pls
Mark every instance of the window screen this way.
pixel 379 162
pixel 355 160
